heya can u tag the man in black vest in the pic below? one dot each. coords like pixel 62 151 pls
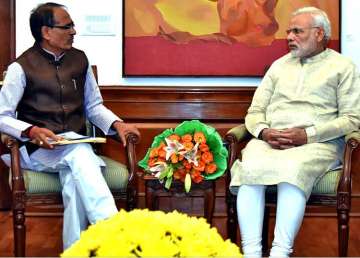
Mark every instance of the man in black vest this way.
pixel 53 90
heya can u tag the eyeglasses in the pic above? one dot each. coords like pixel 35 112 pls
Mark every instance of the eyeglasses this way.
pixel 63 27
pixel 298 31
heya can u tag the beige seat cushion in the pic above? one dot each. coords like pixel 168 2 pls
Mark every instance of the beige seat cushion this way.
pixel 116 176
pixel 326 185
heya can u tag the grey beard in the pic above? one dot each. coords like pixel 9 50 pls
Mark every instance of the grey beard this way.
pixel 295 53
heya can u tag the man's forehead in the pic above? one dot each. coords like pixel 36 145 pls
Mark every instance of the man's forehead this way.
pixel 303 19
pixel 60 14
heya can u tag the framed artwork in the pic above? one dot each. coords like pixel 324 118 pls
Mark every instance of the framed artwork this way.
pixel 211 37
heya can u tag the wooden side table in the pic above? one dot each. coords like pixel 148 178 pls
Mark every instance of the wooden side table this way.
pixel 154 190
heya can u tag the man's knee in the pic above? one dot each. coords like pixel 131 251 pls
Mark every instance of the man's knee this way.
pixel 81 151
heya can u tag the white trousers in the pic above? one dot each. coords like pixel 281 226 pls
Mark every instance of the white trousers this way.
pixel 290 210
pixel 86 195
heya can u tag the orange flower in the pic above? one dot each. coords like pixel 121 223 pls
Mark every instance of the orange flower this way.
pixel 154 153
pixel 174 137
pixel 188 145
pixel 210 168
pixel 199 137
pixel 200 166
pixel 162 153
pixel 180 174
pixel 160 159
pixel 186 138
pixel 151 162
pixel 207 157
pixel 204 147
pixel 177 175
pixel 196 176
pixel 174 158
pixel 186 164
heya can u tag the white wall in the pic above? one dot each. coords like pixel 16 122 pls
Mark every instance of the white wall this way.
pixel 105 51
pixel 350 30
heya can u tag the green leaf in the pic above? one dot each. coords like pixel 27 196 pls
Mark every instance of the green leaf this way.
pixel 187 182
pixel 170 172
pixel 164 173
pixel 168 182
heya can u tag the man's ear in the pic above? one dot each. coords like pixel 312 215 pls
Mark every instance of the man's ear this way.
pixel 320 34
pixel 45 32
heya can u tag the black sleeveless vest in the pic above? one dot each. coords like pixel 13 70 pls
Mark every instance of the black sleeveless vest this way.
pixel 54 92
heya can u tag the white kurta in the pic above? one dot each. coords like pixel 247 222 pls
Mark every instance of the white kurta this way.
pixel 322 95
pixel 86 195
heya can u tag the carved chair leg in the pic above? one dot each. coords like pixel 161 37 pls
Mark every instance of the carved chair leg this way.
pixel 265 232
pixel 19 232
pixel 232 223
pixel 343 232
pixel 150 198
pixel 131 200
pixel 209 203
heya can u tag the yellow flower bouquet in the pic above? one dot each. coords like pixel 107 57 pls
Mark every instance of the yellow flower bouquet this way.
pixel 192 152
pixel 142 233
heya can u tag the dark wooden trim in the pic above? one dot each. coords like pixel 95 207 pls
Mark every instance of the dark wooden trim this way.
pixel 5 25
pixel 12 30
pixel 161 103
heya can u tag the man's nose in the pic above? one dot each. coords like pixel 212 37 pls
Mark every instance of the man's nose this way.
pixel 73 31
pixel 290 36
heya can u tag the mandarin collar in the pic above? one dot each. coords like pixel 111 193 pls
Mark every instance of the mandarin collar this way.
pixel 316 58
pixel 49 55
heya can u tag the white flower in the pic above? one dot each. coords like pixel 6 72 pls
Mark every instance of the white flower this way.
pixel 173 147
pixel 191 154
pixel 160 167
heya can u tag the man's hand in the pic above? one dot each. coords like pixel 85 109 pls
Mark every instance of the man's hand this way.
pixel 284 139
pixel 271 136
pixel 123 129
pixel 297 136
pixel 40 136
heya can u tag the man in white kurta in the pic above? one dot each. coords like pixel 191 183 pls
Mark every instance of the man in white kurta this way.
pixel 307 101
pixel 46 78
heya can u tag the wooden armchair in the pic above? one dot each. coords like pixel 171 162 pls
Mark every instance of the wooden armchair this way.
pixel 41 192
pixel 334 189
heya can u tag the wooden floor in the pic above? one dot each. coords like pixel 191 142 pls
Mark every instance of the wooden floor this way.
pixel 317 237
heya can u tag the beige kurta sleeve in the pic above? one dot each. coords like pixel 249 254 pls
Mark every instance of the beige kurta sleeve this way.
pixel 348 101
pixel 255 119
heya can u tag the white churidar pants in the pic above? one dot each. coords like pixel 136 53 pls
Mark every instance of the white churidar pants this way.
pixel 86 195
pixel 290 210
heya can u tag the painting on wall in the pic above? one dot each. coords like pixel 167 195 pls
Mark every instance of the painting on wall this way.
pixel 211 37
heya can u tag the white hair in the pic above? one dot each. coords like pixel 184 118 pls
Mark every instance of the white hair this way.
pixel 320 19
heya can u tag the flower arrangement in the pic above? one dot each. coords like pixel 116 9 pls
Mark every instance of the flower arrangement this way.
pixel 143 233
pixel 192 152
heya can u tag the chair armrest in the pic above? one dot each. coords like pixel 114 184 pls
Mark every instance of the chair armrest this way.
pixel 131 141
pixel 233 138
pixel 353 135
pixel 5 138
pixel 237 134
pixel 17 179
pixel 351 154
